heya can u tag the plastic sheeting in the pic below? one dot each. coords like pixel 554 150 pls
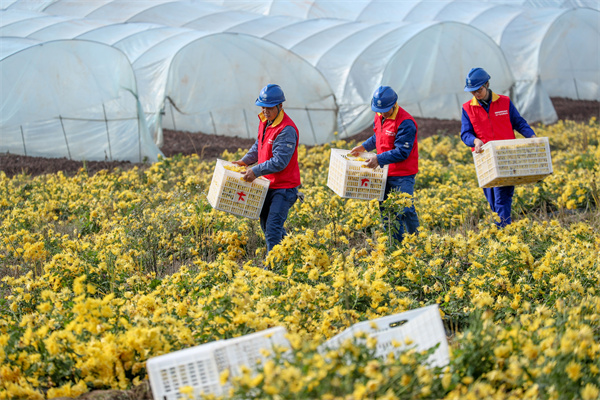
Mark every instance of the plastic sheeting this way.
pixel 424 62
pixel 551 52
pixel 70 98
pixel 194 80
pixel 552 3
pixel 425 55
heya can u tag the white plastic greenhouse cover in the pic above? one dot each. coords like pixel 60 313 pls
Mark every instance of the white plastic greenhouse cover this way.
pixel 358 57
pixel 595 4
pixel 423 61
pixel 70 98
pixel 551 52
pixel 202 81
pixel 383 10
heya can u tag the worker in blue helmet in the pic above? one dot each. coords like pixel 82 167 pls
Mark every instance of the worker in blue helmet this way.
pixel 489 116
pixel 274 156
pixel 395 139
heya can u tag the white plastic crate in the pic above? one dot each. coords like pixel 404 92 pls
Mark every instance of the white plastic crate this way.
pixel 350 178
pixel 229 193
pixel 423 326
pixel 513 162
pixel 200 367
pixel 246 350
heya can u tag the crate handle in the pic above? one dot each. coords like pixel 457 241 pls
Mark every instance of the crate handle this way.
pixel 398 323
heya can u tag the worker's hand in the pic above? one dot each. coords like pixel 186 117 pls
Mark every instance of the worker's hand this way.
pixel 358 149
pixel 240 163
pixel 478 145
pixel 248 175
pixel 373 163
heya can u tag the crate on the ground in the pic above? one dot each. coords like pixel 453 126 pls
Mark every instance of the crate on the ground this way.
pixel 350 178
pixel 229 193
pixel 198 369
pixel 251 350
pixel 513 162
pixel 420 329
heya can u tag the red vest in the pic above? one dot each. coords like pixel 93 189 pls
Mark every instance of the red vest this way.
pixel 386 135
pixel 492 125
pixel 289 177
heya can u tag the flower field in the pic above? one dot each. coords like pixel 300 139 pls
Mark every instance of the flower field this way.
pixel 100 273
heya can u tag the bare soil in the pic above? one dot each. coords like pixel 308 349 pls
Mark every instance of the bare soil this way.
pixel 209 147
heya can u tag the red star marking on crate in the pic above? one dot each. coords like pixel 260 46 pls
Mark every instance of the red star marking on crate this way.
pixel 364 182
pixel 241 194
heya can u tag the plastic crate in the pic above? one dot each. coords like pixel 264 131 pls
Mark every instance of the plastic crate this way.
pixel 200 367
pixel 351 179
pixel 229 193
pixel 513 162
pixel 423 326
pixel 246 350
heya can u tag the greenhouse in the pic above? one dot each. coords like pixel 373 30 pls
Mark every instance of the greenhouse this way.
pixel 553 3
pixel 535 42
pixel 70 98
pixel 533 37
pixel 197 81
pixel 423 61
pixel 423 50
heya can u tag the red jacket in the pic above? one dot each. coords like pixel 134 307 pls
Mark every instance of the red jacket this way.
pixel 492 125
pixel 385 135
pixel 289 177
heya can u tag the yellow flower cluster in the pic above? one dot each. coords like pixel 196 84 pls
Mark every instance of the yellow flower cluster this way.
pixel 100 273
pixel 235 168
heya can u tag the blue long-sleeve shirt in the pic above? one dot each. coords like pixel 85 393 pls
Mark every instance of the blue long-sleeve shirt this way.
pixel 467 133
pixel 403 144
pixel 283 150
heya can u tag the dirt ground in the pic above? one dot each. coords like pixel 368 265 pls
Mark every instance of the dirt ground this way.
pixel 211 146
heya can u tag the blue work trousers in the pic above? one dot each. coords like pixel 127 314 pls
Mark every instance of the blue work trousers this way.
pixel 274 213
pixel 500 199
pixel 407 217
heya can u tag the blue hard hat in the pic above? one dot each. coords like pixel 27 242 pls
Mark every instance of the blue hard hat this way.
pixel 270 96
pixel 476 78
pixel 384 99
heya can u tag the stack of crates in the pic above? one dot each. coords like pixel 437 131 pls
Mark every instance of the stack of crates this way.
pixel 199 368
pixel 513 162
pixel 349 178
pixel 420 329
pixel 229 193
